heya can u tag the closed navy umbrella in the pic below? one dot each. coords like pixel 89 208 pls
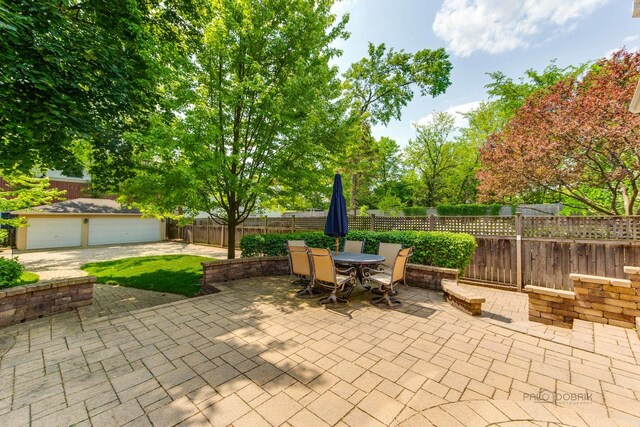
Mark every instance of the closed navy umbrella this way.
pixel 337 224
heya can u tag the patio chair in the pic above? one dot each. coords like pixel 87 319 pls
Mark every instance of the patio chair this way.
pixel 299 265
pixel 327 275
pixel 389 251
pixel 385 280
pixel 356 246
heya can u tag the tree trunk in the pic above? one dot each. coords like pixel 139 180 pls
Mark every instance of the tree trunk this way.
pixel 354 189
pixel 627 202
pixel 231 235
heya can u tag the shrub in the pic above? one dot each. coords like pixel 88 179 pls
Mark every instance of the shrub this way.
pixel 10 272
pixel 4 237
pixel 441 249
pixel 415 211
pixel 472 209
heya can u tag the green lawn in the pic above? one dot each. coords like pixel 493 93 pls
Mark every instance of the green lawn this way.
pixel 177 274
pixel 28 277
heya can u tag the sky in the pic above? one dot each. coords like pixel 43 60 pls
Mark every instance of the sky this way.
pixel 483 36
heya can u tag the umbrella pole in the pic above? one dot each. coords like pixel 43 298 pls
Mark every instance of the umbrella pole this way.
pixel 337 244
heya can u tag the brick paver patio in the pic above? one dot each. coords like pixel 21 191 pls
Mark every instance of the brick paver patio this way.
pixel 254 355
pixel 110 300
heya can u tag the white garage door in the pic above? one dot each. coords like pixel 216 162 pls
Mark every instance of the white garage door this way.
pixel 103 231
pixel 53 232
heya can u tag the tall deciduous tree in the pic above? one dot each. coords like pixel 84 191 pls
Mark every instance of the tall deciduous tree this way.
pixel 255 114
pixel 378 87
pixel 432 157
pixel 68 70
pixel 508 95
pixel 577 140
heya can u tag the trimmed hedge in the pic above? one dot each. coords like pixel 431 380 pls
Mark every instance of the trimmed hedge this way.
pixel 436 248
pixel 415 211
pixel 472 209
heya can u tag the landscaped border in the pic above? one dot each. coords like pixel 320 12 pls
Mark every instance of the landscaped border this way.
pixel 44 298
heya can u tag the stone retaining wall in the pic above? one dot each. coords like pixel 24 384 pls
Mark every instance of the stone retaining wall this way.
pixel 429 277
pixel 594 298
pixel 241 268
pixel 422 276
pixel 551 306
pixel 44 298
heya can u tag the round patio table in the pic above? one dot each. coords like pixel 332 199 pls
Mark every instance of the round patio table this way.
pixel 357 260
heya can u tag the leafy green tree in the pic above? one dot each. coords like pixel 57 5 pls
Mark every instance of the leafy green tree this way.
pixel 388 166
pixel 486 119
pixel 252 116
pixel 510 95
pixel 391 205
pixel 377 88
pixel 431 155
pixel 23 192
pixel 69 69
pixel 88 71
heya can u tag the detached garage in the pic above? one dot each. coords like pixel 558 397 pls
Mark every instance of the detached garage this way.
pixel 85 222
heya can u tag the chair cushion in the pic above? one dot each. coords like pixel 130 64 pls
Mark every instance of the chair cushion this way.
pixel 383 278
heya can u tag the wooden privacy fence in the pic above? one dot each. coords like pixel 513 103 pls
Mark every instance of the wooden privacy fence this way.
pixel 513 251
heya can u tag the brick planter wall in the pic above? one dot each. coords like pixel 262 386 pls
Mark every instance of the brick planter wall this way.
pixel 428 277
pixel 241 268
pixel 595 299
pixel 552 306
pixel 44 298
pixel 422 276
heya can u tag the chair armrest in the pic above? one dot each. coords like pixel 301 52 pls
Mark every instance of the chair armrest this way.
pixel 351 271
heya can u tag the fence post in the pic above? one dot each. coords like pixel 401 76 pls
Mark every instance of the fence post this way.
pixel 222 235
pixel 265 224
pixel 373 222
pixel 208 221
pixel 519 251
pixel 432 222
pixel 293 223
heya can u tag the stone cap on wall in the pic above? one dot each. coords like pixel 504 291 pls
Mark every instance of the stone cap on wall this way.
pixel 433 269
pixel 46 284
pixel 600 280
pixel 550 292
pixel 631 270
pixel 452 287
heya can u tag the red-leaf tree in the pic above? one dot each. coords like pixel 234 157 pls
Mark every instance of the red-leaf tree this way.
pixel 577 140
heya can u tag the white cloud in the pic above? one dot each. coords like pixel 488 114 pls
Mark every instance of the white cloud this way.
pixel 456 111
pixel 497 26
pixel 629 39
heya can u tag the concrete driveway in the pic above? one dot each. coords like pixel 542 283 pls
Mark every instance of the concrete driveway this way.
pixel 58 263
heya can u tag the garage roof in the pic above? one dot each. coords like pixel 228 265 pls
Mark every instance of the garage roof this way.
pixel 81 206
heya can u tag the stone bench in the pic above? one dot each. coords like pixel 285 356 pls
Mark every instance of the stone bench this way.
pixel 462 298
